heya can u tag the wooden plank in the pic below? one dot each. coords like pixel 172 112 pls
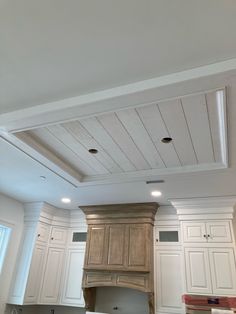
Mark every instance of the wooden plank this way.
pixel 175 122
pixel 140 136
pixel 68 140
pixel 79 132
pixel 94 127
pixel 46 137
pixel 154 124
pixel 196 114
pixel 117 131
pixel 213 114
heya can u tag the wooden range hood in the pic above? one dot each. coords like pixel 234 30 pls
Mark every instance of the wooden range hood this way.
pixel 119 249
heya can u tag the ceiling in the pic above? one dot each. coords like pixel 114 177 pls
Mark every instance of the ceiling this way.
pixel 118 77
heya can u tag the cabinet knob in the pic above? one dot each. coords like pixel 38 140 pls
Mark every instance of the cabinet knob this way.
pixel 157 240
pixel 205 235
pixel 208 236
pixel 52 238
pixel 38 235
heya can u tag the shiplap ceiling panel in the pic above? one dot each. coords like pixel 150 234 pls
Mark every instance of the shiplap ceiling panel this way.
pixel 173 115
pixel 196 113
pixel 133 124
pixel 81 135
pixel 129 141
pixel 119 134
pixel 151 118
pixel 214 119
pixel 94 127
pixel 69 140
pixel 43 135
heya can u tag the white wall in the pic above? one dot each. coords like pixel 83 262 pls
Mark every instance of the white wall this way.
pixel 12 215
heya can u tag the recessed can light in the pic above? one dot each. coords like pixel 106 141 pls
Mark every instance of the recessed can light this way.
pixel 156 193
pixel 66 200
pixel 43 177
pixel 166 140
pixel 93 151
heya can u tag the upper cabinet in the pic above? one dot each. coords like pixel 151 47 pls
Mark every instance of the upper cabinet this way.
pixel 207 231
pixel 118 246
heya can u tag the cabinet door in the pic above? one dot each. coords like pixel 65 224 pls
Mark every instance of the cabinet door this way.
pixel 218 231
pixel 52 276
pixel 116 246
pixel 35 275
pixel 197 270
pixel 43 232
pixel 58 236
pixel 168 281
pixel 72 284
pixel 222 262
pixel 95 246
pixel 194 231
pixel 138 247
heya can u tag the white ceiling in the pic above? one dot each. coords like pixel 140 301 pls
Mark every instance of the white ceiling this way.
pixel 54 50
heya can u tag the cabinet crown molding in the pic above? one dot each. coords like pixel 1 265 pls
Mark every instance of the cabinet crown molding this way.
pixel 202 208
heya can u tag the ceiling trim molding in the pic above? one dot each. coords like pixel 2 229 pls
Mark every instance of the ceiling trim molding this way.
pixel 44 157
pixel 136 94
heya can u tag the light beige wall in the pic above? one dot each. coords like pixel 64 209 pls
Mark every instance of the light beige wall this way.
pixel 12 215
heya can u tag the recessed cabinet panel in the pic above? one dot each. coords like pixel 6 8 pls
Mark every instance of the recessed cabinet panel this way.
pixel 197 270
pixel 137 246
pixel 35 275
pixel 96 245
pixel 43 233
pixel 116 245
pixel 72 290
pixel 218 231
pixel 169 281
pixel 52 275
pixel 58 236
pixel 222 263
pixel 194 232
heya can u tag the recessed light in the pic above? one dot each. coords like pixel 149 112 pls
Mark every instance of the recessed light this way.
pixel 156 193
pixel 43 177
pixel 66 200
pixel 166 140
pixel 93 151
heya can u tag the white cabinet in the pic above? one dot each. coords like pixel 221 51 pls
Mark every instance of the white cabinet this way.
pixel 35 275
pixel 197 270
pixel 168 281
pixel 199 231
pixel 223 271
pixel 52 276
pixel 210 271
pixel 43 232
pixel 72 284
pixel 58 236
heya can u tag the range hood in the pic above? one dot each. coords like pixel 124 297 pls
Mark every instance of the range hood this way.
pixel 119 249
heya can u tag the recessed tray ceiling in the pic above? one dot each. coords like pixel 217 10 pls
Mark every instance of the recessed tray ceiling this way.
pixel 129 141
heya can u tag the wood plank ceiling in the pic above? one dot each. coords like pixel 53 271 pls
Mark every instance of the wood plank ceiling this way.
pixel 130 140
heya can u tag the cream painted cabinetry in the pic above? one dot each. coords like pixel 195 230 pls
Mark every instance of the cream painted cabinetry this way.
pixel 210 271
pixel 44 259
pixel 72 288
pixel 168 263
pixel 211 231
pixel 49 292
pixel 35 274
pixel 169 281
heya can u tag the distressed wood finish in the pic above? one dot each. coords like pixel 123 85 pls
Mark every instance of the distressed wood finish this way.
pixel 119 250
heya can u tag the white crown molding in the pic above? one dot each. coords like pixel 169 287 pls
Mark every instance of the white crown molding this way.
pixel 203 208
pixel 190 81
